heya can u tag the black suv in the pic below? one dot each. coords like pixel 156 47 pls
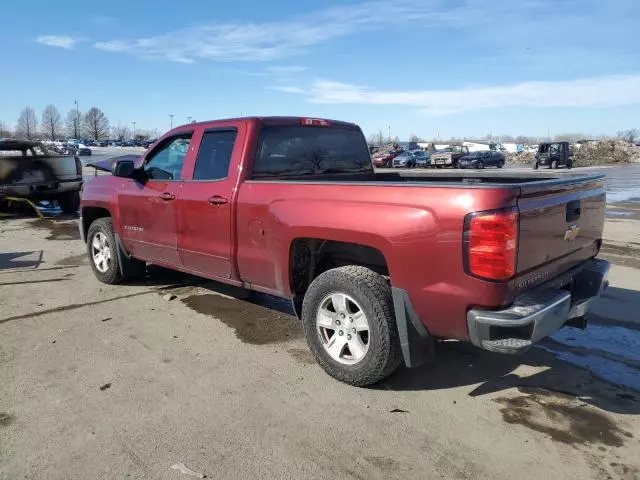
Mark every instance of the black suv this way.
pixel 554 155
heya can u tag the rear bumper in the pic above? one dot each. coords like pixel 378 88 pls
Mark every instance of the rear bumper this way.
pixel 538 314
pixel 41 190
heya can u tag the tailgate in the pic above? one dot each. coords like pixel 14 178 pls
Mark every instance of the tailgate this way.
pixel 560 217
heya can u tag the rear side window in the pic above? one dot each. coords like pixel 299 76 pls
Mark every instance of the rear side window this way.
pixel 214 155
pixel 304 150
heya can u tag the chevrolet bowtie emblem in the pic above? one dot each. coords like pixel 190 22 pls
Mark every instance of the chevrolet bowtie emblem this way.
pixel 572 233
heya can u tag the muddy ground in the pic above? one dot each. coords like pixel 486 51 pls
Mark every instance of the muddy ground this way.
pixel 130 382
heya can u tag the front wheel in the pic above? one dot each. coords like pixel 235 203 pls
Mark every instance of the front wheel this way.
pixel 480 165
pixel 108 266
pixel 553 165
pixel 569 164
pixel 535 166
pixel 350 327
pixel 500 164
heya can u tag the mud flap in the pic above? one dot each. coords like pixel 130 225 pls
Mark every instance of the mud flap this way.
pixel 415 340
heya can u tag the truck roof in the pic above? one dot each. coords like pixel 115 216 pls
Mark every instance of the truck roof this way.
pixel 274 120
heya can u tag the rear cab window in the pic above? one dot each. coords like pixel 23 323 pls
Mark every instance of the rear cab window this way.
pixel 296 150
pixel 214 155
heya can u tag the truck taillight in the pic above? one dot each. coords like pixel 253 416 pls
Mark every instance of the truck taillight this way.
pixel 78 167
pixel 315 122
pixel 491 244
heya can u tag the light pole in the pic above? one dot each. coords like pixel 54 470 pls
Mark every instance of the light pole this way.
pixel 171 117
pixel 76 126
pixel 134 130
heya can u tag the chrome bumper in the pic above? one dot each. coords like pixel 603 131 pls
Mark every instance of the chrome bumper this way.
pixel 538 314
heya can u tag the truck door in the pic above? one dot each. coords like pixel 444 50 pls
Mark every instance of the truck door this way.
pixel 205 204
pixel 148 206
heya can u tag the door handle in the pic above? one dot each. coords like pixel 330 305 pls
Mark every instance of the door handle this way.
pixel 217 200
pixel 166 196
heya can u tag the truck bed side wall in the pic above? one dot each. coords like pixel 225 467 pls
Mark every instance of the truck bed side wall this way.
pixel 418 230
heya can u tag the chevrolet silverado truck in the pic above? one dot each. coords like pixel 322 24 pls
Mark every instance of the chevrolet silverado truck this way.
pixel 377 265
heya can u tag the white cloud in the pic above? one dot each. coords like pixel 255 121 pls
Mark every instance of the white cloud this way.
pixel 272 40
pixel 287 89
pixel 60 41
pixel 605 91
pixel 284 69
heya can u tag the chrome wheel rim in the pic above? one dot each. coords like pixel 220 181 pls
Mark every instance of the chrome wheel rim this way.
pixel 100 252
pixel 343 328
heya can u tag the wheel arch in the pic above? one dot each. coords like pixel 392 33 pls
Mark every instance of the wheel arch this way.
pixel 90 214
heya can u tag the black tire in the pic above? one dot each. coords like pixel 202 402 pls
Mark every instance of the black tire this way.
pixel 501 164
pixel 373 293
pixel 120 267
pixel 569 164
pixel 535 166
pixel 69 202
pixel 480 165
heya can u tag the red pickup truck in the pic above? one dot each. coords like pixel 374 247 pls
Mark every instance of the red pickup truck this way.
pixel 377 265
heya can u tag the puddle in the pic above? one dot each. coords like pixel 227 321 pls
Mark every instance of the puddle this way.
pixel 617 343
pixel 74 260
pixel 302 355
pixel 252 323
pixel 563 417
pixel 611 352
pixel 58 230
pixel 6 419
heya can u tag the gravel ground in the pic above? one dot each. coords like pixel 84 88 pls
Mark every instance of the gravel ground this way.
pixel 127 382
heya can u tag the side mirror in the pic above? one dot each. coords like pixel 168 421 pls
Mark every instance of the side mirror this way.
pixel 123 168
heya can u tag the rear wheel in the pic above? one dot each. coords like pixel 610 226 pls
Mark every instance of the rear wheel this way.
pixel 69 202
pixel 553 165
pixel 349 324
pixel 535 166
pixel 569 163
pixel 500 164
pixel 480 165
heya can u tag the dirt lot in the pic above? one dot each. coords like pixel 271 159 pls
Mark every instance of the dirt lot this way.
pixel 121 382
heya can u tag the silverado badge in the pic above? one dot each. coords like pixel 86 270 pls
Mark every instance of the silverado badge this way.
pixel 572 233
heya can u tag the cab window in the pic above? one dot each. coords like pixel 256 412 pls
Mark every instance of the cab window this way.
pixel 165 163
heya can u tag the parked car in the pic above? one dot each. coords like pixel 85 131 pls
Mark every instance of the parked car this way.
pixel 449 157
pixel 386 159
pixel 40 176
pixel 102 143
pixel 488 158
pixel 554 155
pixel 412 159
pixel 377 265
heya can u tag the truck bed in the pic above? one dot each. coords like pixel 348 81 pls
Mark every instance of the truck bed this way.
pixel 493 179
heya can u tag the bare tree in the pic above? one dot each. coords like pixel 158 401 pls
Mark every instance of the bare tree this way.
pixel 569 137
pixel 120 132
pixel 51 122
pixel 27 123
pixel 4 130
pixel 524 140
pixel 73 123
pixel 630 135
pixel 96 124
pixel 415 138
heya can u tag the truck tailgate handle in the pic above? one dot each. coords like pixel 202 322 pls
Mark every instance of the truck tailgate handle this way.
pixel 217 200
pixel 166 196
pixel 573 210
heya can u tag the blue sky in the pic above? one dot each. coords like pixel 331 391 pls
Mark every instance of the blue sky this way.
pixel 454 68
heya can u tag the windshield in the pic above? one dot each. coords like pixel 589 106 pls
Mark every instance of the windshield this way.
pixel 301 150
